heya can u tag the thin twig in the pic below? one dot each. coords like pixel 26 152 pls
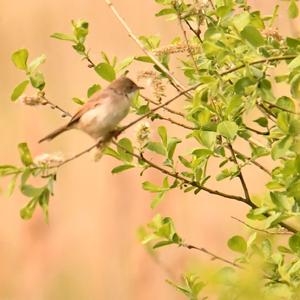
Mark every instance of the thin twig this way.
pixel 75 156
pixel 160 117
pixel 262 230
pixel 190 51
pixel 179 177
pixel 179 86
pixel 172 111
pixel 241 177
pixel 214 256
pixel 273 105
pixel 55 106
pixel 257 131
pixel 253 161
pixel 156 108
pixel 196 32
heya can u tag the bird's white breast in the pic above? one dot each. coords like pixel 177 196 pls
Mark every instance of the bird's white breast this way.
pixel 104 117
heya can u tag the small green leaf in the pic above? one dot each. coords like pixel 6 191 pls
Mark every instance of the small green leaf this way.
pixel 162 244
pixel 19 58
pixel 6 170
pixel 280 147
pixel 125 149
pixel 151 187
pixel 63 36
pixel 31 191
pixel 125 63
pixel 121 168
pixel 37 62
pixel 294 242
pixel 106 71
pixel 295 86
pixel 293 10
pixel 172 143
pixel 157 199
pixel 37 80
pixel 27 212
pixel 78 101
pixel 228 129
pixel 111 152
pixel 253 36
pixel 237 244
pixel 93 89
pixel 295 63
pixel 162 131
pixel 156 147
pixel 25 154
pixel 262 121
pixel 19 90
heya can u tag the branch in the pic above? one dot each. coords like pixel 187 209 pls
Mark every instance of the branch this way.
pixel 197 33
pixel 166 108
pixel 241 177
pixel 257 131
pixel 273 105
pixel 190 51
pixel 54 106
pixel 253 161
pixel 178 85
pixel 180 178
pixel 214 256
pixel 262 230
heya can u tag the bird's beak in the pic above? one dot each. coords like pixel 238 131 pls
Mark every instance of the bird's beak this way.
pixel 141 88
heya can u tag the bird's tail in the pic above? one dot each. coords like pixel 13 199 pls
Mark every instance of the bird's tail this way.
pixel 55 133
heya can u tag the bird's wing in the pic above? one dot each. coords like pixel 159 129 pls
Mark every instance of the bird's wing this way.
pixel 97 99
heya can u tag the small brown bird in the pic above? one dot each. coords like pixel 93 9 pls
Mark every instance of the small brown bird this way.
pixel 101 114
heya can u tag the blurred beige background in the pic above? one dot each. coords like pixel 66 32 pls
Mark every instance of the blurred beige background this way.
pixel 90 250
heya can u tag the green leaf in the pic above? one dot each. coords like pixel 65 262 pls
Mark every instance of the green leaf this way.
pixel 293 10
pixel 106 71
pixel 125 149
pixel 253 36
pixel 162 131
pixel 111 152
pixel 151 187
pixel 125 63
pixel 172 143
pixel 237 244
pixel 19 90
pixel 78 101
pixel 12 185
pixel 295 86
pixel 121 168
pixel 162 244
pixel 242 84
pixel 157 199
pixel 19 58
pixel 294 242
pixel 93 89
pixel 43 200
pixel 25 154
pixel 165 11
pixel 156 147
pixel 228 129
pixel 27 212
pixel 294 63
pixel 241 21
pixel 6 170
pixel 31 191
pixel 37 62
pixel 37 80
pixel 280 148
pixel 63 36
pixel 262 121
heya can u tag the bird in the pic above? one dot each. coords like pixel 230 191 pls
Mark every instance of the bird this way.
pixel 100 115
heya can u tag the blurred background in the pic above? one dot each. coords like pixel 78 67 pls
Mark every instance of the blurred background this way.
pixel 90 249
